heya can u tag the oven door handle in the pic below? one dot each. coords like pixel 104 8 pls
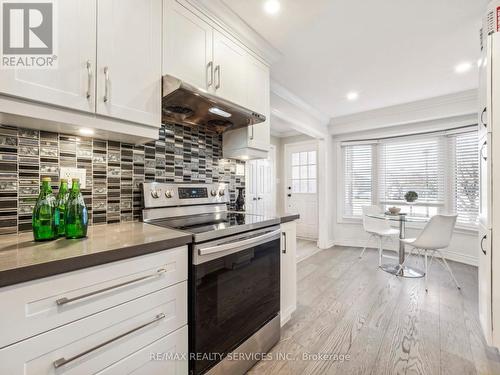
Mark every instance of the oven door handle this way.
pixel 238 243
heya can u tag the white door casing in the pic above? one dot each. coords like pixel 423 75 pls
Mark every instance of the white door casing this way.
pixel 301 186
pixel 129 60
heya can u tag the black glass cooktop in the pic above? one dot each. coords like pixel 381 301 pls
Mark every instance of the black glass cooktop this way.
pixel 215 225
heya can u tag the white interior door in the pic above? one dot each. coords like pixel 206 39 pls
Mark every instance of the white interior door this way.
pixel 260 194
pixel 301 188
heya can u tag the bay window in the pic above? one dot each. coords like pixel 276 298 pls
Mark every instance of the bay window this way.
pixel 442 168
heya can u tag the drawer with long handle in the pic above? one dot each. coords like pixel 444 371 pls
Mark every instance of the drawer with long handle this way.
pixel 92 344
pixel 165 356
pixel 37 306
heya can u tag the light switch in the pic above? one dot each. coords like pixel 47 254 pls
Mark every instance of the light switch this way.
pixel 69 173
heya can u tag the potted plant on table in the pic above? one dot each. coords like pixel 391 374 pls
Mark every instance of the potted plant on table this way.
pixel 410 197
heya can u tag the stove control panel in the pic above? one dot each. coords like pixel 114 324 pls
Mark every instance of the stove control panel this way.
pixel 158 194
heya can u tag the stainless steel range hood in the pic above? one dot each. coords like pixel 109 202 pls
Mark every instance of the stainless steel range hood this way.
pixel 185 104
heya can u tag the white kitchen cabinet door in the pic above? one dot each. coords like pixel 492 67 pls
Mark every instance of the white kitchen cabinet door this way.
pixel 129 60
pixel 187 46
pixel 230 61
pixel 258 97
pixel 114 341
pixel 288 292
pixel 484 282
pixel 72 83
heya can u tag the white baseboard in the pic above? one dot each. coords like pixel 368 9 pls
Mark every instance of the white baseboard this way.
pixel 448 254
pixel 286 315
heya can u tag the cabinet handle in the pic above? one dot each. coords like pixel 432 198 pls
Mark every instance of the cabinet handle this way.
pixel 482 240
pixel 89 79
pixel 284 242
pixel 217 71
pixel 482 117
pixel 210 75
pixel 106 84
pixel 251 134
pixel 65 300
pixel 259 198
pixel 63 361
pixel 481 151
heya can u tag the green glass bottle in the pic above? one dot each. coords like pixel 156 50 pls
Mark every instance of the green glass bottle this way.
pixel 43 214
pixel 76 215
pixel 61 200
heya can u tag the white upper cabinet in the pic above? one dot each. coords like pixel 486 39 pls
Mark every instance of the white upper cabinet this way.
pixel 129 60
pixel 258 99
pixel 230 61
pixel 71 84
pixel 187 46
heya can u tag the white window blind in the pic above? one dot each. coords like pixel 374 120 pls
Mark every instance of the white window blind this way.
pixel 412 165
pixel 357 178
pixel 466 178
pixel 443 168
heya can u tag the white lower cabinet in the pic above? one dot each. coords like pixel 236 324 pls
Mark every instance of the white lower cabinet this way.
pixel 41 305
pixel 125 317
pixel 288 291
pixel 92 344
pixel 166 356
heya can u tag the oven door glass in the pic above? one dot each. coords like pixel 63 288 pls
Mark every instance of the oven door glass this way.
pixel 232 297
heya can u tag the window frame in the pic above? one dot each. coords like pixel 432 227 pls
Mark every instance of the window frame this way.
pixel 449 184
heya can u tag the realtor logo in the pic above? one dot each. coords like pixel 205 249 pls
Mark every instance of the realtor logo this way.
pixel 28 34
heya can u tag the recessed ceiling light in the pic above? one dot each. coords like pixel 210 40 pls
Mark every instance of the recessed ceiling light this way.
pixel 353 95
pixel 86 131
pixel 463 67
pixel 272 6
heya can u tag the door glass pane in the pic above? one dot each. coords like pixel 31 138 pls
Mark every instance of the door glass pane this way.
pixel 312 171
pixel 303 158
pixel 295 173
pixel 312 157
pixel 295 158
pixel 312 186
pixel 303 186
pixel 303 171
pixel 296 186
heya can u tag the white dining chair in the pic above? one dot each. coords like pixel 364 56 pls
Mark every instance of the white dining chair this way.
pixel 435 237
pixel 376 228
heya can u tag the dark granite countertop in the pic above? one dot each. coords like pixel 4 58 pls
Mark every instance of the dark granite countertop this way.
pixel 284 218
pixel 288 217
pixel 22 259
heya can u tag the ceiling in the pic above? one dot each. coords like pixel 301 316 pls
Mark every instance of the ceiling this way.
pixel 390 51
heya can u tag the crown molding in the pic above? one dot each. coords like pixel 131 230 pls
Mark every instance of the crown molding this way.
pixel 437 108
pixel 220 13
pixel 293 99
pixel 289 133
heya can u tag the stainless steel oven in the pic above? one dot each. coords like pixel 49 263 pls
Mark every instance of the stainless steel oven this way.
pixel 234 275
pixel 235 290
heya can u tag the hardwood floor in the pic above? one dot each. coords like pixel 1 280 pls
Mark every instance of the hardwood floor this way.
pixel 376 323
pixel 305 249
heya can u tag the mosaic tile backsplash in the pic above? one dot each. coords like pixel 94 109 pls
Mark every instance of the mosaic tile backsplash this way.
pixel 114 170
